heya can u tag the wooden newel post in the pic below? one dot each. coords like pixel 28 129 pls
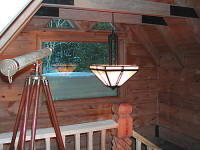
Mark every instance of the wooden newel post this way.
pixel 122 115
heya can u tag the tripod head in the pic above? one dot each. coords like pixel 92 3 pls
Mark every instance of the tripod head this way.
pixel 37 75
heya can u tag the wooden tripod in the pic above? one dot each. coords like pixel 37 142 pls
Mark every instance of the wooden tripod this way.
pixel 31 88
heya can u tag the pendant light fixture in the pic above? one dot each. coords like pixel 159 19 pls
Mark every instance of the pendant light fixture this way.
pixel 113 75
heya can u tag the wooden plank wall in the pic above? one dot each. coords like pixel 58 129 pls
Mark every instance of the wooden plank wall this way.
pixel 174 82
pixel 141 90
pixel 179 86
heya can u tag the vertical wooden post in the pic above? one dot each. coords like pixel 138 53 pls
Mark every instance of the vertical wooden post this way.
pixel 77 141
pixel 48 144
pixel 103 139
pixel 90 140
pixel 122 134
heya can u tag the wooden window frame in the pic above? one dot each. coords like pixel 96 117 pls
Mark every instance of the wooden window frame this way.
pixel 95 37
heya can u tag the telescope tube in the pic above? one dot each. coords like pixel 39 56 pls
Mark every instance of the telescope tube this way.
pixel 9 67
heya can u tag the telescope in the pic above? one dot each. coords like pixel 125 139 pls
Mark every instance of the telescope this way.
pixel 31 94
pixel 9 67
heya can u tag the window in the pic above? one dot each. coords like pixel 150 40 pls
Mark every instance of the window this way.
pixel 60 23
pixel 102 26
pixel 9 10
pixel 68 70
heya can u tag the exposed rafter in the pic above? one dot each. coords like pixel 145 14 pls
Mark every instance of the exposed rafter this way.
pixel 165 32
pixel 145 40
pixel 130 36
pixel 36 24
pixel 83 25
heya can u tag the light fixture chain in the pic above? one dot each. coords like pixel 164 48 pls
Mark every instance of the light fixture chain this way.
pixel 113 24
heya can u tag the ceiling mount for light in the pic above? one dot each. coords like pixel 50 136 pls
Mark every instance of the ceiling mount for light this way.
pixel 113 75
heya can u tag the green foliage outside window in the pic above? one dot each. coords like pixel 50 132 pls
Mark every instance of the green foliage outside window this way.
pixel 60 23
pixel 66 24
pixel 80 54
pixel 102 26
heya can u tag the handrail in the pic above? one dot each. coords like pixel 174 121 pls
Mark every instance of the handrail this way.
pixel 140 139
pixel 76 129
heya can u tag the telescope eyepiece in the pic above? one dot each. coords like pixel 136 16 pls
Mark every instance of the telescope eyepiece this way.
pixel 8 67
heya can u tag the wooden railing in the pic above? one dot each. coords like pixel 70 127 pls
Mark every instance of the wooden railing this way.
pixel 140 139
pixel 122 125
pixel 77 130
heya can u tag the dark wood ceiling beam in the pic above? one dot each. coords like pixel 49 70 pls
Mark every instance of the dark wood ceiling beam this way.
pixel 146 42
pixel 170 41
pixel 129 12
pixel 120 6
pixel 97 16
pixel 136 7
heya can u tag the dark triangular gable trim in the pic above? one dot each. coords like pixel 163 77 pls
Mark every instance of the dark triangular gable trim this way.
pixel 183 12
pixel 61 2
pixel 153 20
pixel 48 11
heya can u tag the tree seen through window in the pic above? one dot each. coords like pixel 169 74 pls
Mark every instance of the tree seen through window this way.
pixel 74 53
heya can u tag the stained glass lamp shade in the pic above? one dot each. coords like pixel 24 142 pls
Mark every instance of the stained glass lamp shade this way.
pixel 114 75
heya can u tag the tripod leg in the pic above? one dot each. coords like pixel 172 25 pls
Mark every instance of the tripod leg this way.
pixel 22 138
pixel 31 95
pixel 53 114
pixel 35 114
pixel 21 106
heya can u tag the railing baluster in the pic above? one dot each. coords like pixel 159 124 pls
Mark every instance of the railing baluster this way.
pixel 149 148
pixel 90 140
pixel 77 141
pixel 47 142
pixel 138 144
pixel 140 139
pixel 63 137
pixel 103 139
pixel 1 146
